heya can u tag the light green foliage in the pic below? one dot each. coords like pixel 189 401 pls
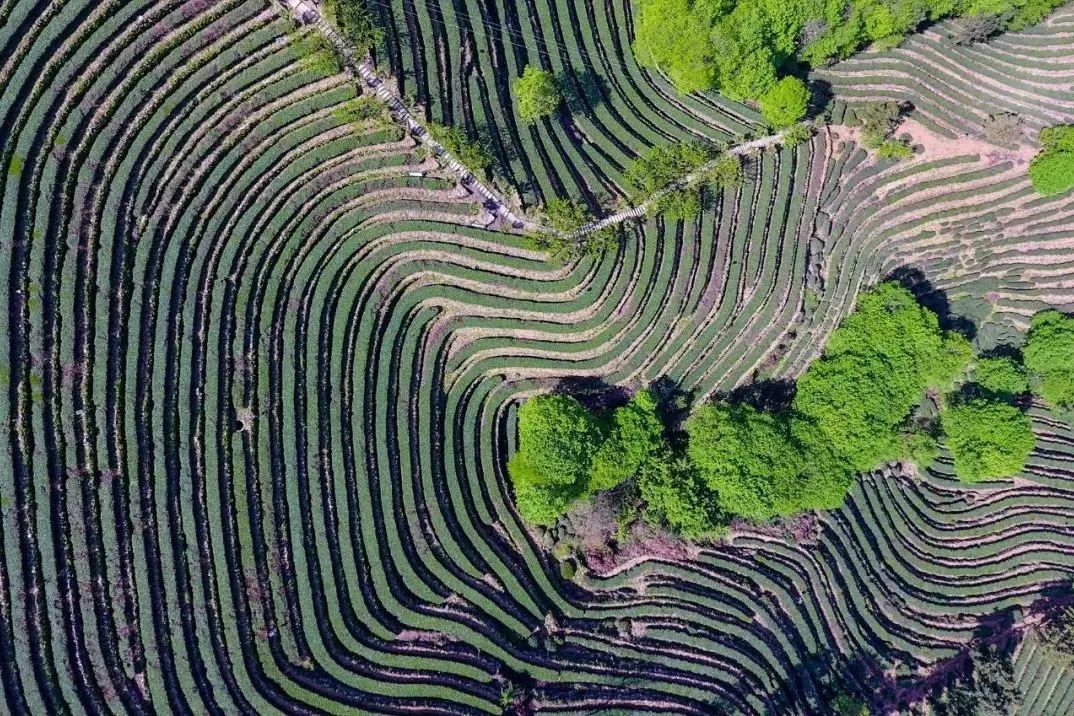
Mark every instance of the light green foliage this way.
pixel 565 217
pixel 988 439
pixel 741 47
pixel 637 434
pixel 474 156
pixel 921 447
pixel 845 705
pixel 796 134
pixel 356 23
pixel 536 93
pixel 894 149
pixel 785 102
pixel 725 172
pixel 673 36
pixel 14 169
pixel 874 370
pixel 316 52
pixel 557 439
pixel 1002 376
pixel 360 110
pixel 676 496
pixel 1052 170
pixel 747 458
pixel 663 169
pixel 1049 357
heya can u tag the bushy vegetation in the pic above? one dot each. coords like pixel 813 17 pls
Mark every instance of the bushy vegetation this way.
pixel 1002 376
pixel 741 48
pixel 1049 357
pixel 474 155
pixel 536 93
pixel 675 174
pixel 356 23
pixel 988 439
pixel 986 689
pixel 879 121
pixel 564 219
pixel 1056 636
pixel 1052 170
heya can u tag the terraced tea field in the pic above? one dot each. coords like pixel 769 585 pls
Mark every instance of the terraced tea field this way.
pixel 261 369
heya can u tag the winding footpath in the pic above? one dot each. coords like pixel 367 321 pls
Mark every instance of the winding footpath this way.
pixel 306 12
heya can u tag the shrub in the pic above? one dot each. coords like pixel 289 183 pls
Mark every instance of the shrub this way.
pixel 536 93
pixel 565 218
pixel 894 149
pixel 355 23
pixel 988 439
pixel 475 156
pixel 975 28
pixel 785 102
pixel 1049 357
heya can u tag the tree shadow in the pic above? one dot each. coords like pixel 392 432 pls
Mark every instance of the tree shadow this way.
pixel 933 298
pixel 675 402
pixel 821 100
pixel 582 91
pixel 595 394
pixel 772 395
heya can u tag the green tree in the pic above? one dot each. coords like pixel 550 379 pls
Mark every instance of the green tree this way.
pixel 637 434
pixel 536 93
pixel 1056 636
pixel 1052 170
pixel 748 458
pixel 475 156
pixel 356 23
pixel 1002 376
pixel 557 439
pixel 988 439
pixel 1049 357
pixel 673 36
pixel 677 497
pixel 565 241
pixel 785 103
pixel 989 689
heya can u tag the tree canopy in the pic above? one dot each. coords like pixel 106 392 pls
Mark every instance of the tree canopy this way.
pixel 1002 376
pixel 741 48
pixel 1049 357
pixel 1052 170
pixel 785 102
pixel 988 439
pixel 537 94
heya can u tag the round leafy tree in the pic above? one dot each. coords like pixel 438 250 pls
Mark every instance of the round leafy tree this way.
pixel 637 434
pixel 1002 376
pixel 557 438
pixel 785 102
pixel 747 457
pixel 537 94
pixel 989 440
pixel 1049 356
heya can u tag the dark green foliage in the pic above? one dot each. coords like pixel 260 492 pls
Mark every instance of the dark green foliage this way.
pixel 1056 636
pixel 740 48
pixel 988 439
pixel 677 497
pixel 975 28
pixel 879 120
pixel 796 134
pixel 473 155
pixel 565 218
pixel 894 149
pixel 989 690
pixel 356 23
pixel 875 368
pixel 536 93
pixel 637 434
pixel 360 109
pixel 844 705
pixel 1052 170
pixel 316 52
pixel 785 102
pixel 748 458
pixel 1004 377
pixel 663 167
pixel 1049 357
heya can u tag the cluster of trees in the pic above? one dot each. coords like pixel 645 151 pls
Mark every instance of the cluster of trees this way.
pixel 862 404
pixel 741 48
pixel 987 688
pixel 675 174
pixel 1052 170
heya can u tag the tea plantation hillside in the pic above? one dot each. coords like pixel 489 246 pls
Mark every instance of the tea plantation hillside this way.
pixel 262 357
